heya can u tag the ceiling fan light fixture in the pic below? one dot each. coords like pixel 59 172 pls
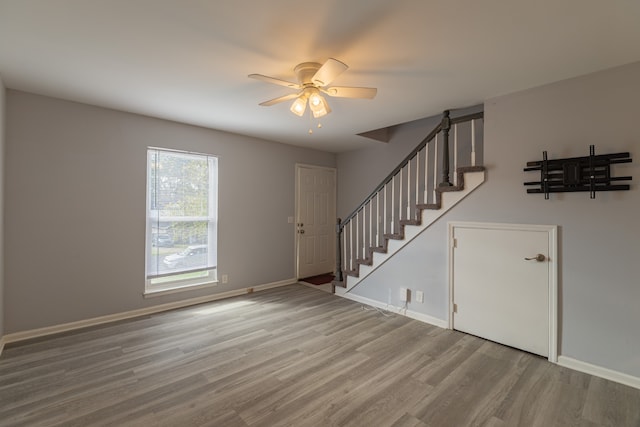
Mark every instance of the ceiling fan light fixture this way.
pixel 315 99
pixel 299 106
pixel 319 106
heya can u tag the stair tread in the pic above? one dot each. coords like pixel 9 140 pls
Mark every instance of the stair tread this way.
pixel 431 206
pixel 394 236
pixel 450 189
pixel 354 273
pixel 410 222
pixel 463 169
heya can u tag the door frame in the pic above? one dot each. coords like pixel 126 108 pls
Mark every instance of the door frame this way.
pixel 298 166
pixel 552 232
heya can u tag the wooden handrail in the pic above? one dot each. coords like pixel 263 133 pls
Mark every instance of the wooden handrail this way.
pixel 406 160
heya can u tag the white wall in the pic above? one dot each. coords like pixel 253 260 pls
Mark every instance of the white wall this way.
pixel 75 208
pixel 2 171
pixel 599 239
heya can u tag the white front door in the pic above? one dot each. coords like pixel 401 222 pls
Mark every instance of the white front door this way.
pixel 499 294
pixel 315 220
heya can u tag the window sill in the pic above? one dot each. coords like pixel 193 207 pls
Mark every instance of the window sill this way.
pixel 166 290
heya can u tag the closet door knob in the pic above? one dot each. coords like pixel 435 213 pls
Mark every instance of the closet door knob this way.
pixel 538 258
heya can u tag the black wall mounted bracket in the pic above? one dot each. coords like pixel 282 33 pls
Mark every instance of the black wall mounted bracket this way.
pixel 591 173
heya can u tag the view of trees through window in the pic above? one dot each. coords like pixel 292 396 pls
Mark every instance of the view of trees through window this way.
pixel 181 213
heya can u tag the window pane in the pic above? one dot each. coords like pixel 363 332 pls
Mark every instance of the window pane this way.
pixel 180 246
pixel 181 229
pixel 179 185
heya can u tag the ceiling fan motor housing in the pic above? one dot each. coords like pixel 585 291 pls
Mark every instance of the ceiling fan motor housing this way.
pixel 306 71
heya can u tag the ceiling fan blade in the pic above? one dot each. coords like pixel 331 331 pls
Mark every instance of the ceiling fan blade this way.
pixel 279 99
pixel 328 72
pixel 351 92
pixel 275 81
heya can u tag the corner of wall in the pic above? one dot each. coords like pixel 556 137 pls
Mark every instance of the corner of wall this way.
pixel 2 148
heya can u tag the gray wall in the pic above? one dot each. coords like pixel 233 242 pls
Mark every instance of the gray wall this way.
pixel 75 208
pixel 599 239
pixel 360 171
pixel 2 145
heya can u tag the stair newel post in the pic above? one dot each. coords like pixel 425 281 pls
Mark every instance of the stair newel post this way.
pixel 446 125
pixel 339 277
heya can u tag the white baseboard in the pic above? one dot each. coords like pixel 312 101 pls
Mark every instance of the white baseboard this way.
pixel 424 318
pixel 599 371
pixel 50 330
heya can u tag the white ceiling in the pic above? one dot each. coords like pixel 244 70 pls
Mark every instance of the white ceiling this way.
pixel 188 60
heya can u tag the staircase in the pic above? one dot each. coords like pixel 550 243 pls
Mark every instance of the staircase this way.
pixel 412 197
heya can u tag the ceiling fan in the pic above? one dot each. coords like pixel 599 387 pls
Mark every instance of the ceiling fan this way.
pixel 313 81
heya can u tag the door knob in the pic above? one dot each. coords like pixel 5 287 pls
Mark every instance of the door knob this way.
pixel 538 258
pixel 301 231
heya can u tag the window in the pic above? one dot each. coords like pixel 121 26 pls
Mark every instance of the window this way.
pixel 182 210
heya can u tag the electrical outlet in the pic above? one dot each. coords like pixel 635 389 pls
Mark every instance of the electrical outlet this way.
pixel 404 294
pixel 419 296
pixel 225 278
pixel 290 220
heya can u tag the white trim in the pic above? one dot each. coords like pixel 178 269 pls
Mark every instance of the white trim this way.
pixel 176 289
pixel 424 318
pixel 50 330
pixel 2 342
pixel 211 221
pixel 178 151
pixel 552 231
pixel 599 371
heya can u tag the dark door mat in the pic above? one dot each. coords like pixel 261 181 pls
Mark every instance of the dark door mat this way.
pixel 320 279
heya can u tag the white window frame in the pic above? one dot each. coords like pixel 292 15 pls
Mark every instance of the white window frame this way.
pixel 177 282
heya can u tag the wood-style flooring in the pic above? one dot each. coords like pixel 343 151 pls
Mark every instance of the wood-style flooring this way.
pixel 294 356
